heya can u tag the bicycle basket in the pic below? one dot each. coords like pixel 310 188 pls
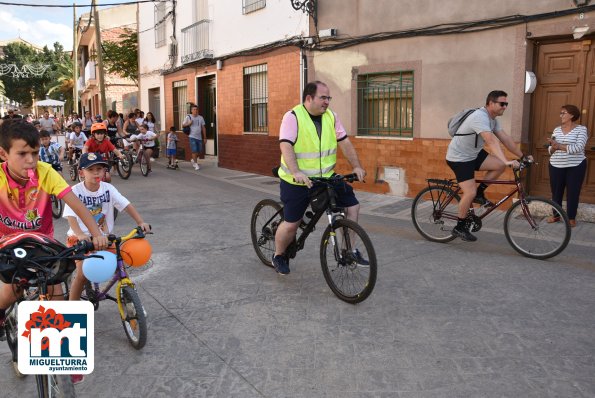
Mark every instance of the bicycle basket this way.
pixel 24 248
pixel 318 198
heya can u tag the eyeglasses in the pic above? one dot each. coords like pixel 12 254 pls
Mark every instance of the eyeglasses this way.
pixel 325 98
pixel 501 103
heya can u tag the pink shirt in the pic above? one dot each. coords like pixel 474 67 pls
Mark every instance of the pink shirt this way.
pixel 289 128
pixel 28 208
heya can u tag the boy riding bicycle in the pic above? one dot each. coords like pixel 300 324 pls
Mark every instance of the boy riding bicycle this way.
pixel 98 143
pixel 25 188
pixel 147 138
pixel 50 152
pixel 76 139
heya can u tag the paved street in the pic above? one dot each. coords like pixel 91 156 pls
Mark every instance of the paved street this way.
pixel 445 320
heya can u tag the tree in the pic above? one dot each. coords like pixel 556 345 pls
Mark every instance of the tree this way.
pixel 120 57
pixel 63 81
pixel 19 89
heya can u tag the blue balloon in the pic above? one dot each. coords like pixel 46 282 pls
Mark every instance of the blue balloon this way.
pixel 100 269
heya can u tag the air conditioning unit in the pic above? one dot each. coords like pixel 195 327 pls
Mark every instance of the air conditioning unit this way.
pixel 173 50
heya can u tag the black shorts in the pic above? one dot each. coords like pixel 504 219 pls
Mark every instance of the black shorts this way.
pixel 466 170
pixel 295 199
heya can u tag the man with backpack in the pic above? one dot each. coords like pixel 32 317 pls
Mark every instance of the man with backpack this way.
pixel 466 155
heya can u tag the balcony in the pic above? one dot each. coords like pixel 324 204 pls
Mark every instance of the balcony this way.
pixel 90 79
pixel 80 86
pixel 196 42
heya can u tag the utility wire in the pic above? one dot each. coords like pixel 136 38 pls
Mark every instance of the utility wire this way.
pixel 79 5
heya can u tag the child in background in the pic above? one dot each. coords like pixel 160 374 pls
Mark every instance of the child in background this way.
pixel 172 143
pixel 77 139
pixel 147 139
pixel 99 143
pixel 50 152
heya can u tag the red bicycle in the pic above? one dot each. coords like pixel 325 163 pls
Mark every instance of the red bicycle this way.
pixel 527 223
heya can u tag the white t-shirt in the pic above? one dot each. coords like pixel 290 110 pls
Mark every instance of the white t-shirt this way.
pixel 78 141
pixel 145 139
pixel 101 204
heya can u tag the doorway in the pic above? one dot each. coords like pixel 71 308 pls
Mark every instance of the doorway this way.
pixel 155 107
pixel 565 73
pixel 206 89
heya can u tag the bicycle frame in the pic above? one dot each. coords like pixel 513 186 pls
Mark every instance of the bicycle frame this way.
pixel 299 242
pixel 517 189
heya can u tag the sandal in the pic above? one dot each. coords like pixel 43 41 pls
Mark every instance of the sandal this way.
pixel 553 219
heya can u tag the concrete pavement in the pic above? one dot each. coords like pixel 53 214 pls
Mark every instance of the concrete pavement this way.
pixel 445 320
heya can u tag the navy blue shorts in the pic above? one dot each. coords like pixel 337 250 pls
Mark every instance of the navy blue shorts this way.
pixel 295 199
pixel 466 170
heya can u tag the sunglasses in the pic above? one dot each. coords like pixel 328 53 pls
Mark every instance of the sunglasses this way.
pixel 501 103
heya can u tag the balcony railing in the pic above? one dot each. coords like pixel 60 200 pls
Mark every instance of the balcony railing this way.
pixel 90 72
pixel 196 42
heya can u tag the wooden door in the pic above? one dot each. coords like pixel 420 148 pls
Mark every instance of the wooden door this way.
pixel 565 75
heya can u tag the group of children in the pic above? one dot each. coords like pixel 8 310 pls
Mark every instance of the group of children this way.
pixel 27 183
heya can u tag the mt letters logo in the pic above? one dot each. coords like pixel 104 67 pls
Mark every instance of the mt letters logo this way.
pixel 56 337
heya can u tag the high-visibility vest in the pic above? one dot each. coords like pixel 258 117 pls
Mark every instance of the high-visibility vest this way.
pixel 316 156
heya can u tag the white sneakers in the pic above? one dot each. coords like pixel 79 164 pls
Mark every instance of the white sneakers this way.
pixel 194 164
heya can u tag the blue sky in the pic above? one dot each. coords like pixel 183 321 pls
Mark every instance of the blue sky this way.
pixel 41 25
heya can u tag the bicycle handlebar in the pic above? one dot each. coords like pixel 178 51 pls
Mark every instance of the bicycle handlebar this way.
pixel 335 178
pixel 136 233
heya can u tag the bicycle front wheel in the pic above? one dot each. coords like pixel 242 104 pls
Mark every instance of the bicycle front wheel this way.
pixel 11 330
pixel 57 207
pixel 348 261
pixel 528 232
pixel 266 217
pixel 135 320
pixel 124 166
pixel 144 166
pixel 432 223
pixel 55 386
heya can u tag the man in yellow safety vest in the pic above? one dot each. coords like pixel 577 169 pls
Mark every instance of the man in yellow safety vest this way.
pixel 308 137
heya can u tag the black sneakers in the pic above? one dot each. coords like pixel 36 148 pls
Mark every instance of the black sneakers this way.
pixel 357 256
pixel 281 264
pixel 463 234
pixel 482 200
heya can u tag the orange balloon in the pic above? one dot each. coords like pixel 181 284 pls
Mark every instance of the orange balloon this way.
pixel 136 252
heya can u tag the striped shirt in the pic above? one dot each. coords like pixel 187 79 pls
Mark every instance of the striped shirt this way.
pixel 575 140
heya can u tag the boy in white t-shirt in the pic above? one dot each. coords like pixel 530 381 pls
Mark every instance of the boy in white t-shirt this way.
pixel 76 139
pixel 100 198
pixel 147 138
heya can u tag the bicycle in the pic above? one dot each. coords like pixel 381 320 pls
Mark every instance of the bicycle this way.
pixel 124 165
pixel 434 214
pixel 47 262
pixel 349 281
pixel 73 163
pixel 132 312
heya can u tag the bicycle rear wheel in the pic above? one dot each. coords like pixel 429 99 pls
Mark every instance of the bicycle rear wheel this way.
pixel 55 386
pixel 74 172
pixel 427 217
pixel 57 207
pixel 343 268
pixel 135 321
pixel 124 166
pixel 266 217
pixel 144 166
pixel 528 232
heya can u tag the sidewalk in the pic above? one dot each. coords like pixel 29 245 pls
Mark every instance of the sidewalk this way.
pixel 387 206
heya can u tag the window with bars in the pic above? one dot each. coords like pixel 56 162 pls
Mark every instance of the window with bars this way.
pixel 385 104
pixel 180 94
pixel 160 24
pixel 249 6
pixel 256 99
